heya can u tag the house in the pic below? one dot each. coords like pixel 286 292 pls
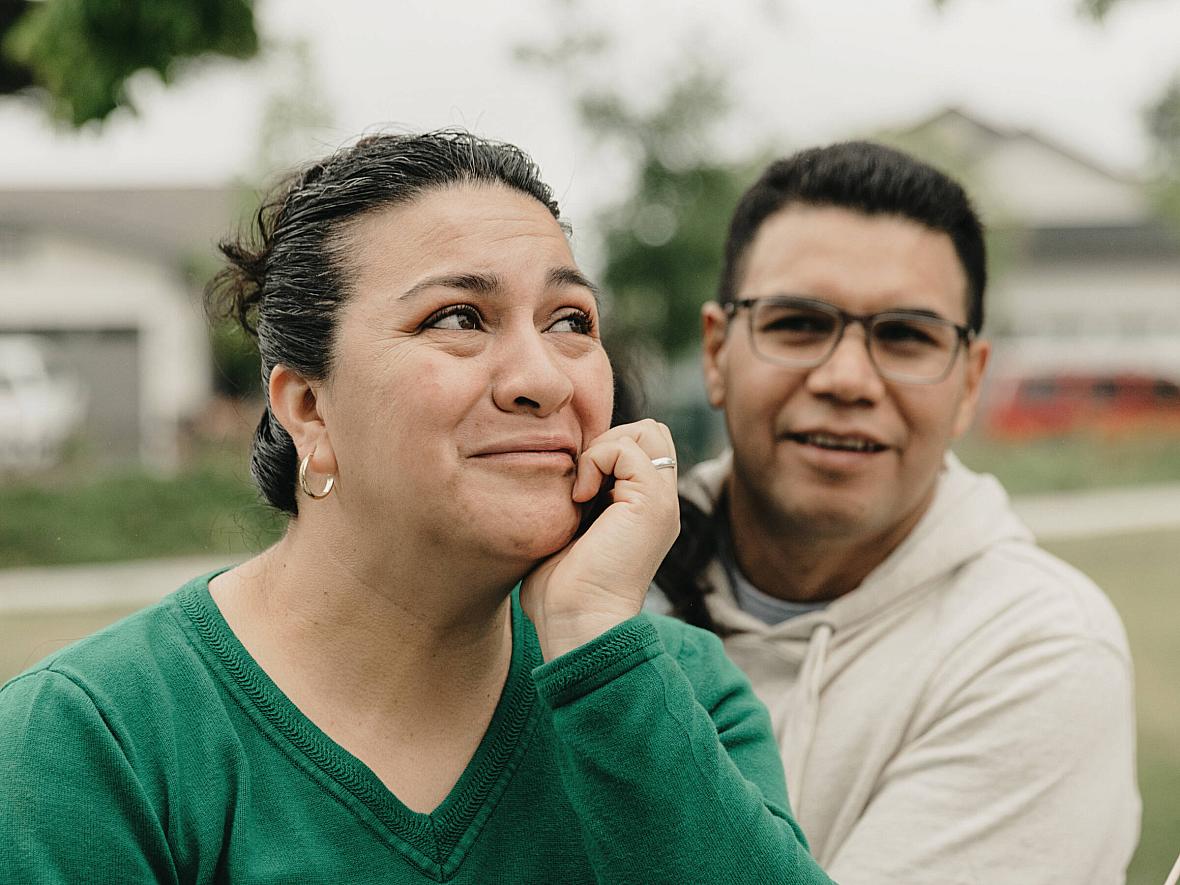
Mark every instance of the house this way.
pixel 1085 276
pixel 108 280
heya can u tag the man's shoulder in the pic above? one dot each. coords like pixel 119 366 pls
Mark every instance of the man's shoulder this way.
pixel 1005 581
pixel 702 485
pixel 1019 587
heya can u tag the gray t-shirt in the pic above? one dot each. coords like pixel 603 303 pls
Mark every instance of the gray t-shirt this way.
pixel 766 608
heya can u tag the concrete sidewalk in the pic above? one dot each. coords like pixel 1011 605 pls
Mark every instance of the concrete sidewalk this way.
pixel 103 585
pixel 1067 515
pixel 125 584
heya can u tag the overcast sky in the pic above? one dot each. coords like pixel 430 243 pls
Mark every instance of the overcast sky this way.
pixel 804 70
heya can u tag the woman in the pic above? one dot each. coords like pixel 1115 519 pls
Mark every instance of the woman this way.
pixel 367 701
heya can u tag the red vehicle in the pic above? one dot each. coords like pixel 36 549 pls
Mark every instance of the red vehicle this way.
pixel 1054 404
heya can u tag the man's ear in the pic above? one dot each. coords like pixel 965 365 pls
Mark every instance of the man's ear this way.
pixel 978 353
pixel 295 404
pixel 714 326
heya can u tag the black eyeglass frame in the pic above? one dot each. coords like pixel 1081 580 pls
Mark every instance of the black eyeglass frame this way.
pixel 964 334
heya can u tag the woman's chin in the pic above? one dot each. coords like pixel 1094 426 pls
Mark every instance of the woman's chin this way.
pixel 524 529
pixel 548 540
pixel 534 537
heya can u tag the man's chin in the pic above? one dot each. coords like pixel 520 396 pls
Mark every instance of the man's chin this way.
pixel 832 524
pixel 828 514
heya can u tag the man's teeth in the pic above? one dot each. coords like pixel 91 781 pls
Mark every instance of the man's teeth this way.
pixel 844 443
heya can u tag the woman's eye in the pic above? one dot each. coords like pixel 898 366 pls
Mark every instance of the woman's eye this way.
pixel 456 318
pixel 579 323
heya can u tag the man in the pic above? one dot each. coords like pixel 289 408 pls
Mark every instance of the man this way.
pixel 953 704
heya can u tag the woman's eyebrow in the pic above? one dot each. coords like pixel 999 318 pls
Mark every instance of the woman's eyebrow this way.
pixel 482 283
pixel 489 283
pixel 571 276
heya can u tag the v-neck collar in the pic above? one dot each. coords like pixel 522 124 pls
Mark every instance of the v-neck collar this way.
pixel 436 842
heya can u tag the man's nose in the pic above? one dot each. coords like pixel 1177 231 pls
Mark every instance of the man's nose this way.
pixel 848 374
pixel 528 374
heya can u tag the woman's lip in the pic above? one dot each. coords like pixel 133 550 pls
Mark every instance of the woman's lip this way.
pixel 558 458
pixel 561 445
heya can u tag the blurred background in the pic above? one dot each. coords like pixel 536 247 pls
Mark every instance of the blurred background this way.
pixel 134 135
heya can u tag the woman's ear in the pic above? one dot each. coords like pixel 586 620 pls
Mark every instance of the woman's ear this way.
pixel 294 403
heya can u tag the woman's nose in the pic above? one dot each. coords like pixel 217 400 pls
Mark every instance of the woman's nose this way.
pixel 529 375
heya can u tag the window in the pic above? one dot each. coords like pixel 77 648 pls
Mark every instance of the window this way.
pixel 1105 388
pixel 1166 391
pixel 1039 389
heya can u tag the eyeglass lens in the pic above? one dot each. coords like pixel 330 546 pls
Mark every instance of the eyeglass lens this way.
pixel 903 346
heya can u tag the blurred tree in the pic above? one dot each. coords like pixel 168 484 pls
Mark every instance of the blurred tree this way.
pixel 294 113
pixel 1095 9
pixel 13 76
pixel 1163 124
pixel 79 54
pixel 662 239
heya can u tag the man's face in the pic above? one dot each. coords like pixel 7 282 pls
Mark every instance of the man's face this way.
pixel 800 464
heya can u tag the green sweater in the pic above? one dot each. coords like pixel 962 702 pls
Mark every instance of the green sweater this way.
pixel 158 751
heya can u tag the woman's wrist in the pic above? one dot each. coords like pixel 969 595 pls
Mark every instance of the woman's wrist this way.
pixel 559 633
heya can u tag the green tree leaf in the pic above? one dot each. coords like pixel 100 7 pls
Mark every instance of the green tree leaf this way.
pixel 81 53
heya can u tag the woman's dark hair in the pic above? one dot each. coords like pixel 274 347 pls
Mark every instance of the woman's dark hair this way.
pixel 872 179
pixel 680 576
pixel 287 281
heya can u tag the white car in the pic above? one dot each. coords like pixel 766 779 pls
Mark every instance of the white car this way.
pixel 40 406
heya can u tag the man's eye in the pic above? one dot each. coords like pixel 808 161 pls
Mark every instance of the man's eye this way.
pixel 579 323
pixel 900 332
pixel 456 318
pixel 796 323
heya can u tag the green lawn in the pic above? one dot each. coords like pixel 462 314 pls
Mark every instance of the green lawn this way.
pixel 73 517
pixel 1139 573
pixel 27 637
pixel 1075 462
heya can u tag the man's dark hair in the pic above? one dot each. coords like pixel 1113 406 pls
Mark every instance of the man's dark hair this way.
pixel 869 178
pixel 287 282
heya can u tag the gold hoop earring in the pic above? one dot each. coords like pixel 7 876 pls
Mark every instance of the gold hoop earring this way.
pixel 303 480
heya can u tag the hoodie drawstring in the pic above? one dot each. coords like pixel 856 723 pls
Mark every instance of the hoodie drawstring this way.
pixel 799 733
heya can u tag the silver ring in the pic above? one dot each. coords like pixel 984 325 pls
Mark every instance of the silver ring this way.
pixel 661 463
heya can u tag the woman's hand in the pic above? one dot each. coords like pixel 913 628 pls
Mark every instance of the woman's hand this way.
pixel 599 580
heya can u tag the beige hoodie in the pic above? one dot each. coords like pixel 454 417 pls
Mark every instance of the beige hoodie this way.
pixel 964 716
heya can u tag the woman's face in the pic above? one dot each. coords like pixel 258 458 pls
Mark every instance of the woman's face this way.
pixel 468 376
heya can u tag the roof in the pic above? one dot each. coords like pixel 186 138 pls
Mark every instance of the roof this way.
pixel 991 134
pixel 1116 242
pixel 1021 178
pixel 173 223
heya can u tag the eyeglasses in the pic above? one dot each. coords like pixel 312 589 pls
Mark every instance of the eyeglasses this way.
pixel 903 345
